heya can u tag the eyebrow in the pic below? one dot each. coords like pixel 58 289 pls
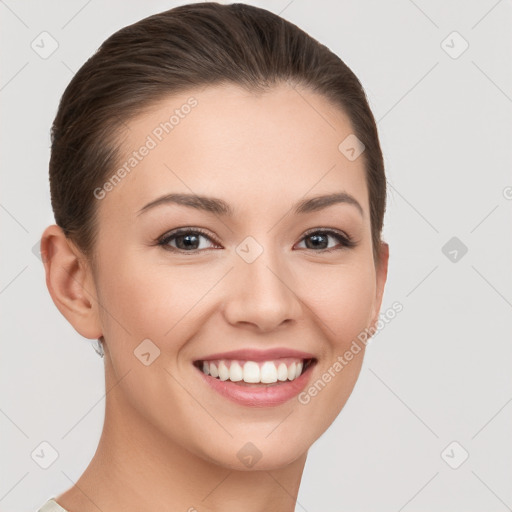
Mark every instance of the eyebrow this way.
pixel 220 207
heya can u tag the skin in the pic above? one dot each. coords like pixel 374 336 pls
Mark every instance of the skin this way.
pixel 168 439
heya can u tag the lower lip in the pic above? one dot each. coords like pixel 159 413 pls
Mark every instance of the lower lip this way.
pixel 259 395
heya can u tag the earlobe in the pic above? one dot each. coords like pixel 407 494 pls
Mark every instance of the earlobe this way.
pixel 70 282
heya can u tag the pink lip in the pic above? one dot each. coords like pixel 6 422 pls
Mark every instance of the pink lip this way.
pixel 259 395
pixel 258 355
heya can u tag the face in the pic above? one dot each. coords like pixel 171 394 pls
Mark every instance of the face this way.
pixel 248 271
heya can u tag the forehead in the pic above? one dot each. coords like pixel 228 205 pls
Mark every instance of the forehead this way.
pixel 249 148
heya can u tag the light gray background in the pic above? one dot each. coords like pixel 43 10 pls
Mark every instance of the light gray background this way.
pixel 438 373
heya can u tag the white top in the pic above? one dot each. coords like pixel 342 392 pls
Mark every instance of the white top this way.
pixel 52 506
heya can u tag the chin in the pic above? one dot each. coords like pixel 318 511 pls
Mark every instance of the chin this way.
pixel 257 455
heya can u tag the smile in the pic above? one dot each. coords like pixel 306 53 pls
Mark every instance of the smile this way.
pixel 257 379
pixel 255 372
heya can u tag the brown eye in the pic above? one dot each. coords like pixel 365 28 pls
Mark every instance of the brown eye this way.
pixel 186 240
pixel 319 240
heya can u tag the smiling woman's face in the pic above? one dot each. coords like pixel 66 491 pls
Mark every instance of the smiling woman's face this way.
pixel 261 277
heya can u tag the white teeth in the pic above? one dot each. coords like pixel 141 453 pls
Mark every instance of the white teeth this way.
pixel 223 371
pixel 298 369
pixel 291 371
pixel 282 372
pixel 267 372
pixel 251 372
pixel 235 372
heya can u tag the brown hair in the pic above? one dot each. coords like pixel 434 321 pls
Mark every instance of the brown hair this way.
pixel 183 48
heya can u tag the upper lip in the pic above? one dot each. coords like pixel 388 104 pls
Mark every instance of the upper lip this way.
pixel 248 354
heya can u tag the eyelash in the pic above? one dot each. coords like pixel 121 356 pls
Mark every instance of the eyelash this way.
pixel 345 240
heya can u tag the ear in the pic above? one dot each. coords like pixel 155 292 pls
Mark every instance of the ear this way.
pixel 381 277
pixel 70 282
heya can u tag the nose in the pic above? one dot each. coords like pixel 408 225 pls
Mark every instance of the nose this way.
pixel 261 294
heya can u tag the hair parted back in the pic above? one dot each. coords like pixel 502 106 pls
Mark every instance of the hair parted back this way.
pixel 187 47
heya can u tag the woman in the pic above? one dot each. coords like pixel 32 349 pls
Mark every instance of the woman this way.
pixel 219 191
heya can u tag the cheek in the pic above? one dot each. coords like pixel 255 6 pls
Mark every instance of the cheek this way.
pixel 343 299
pixel 148 298
pixel 343 306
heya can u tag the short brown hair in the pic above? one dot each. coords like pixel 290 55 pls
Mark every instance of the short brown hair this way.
pixel 186 47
